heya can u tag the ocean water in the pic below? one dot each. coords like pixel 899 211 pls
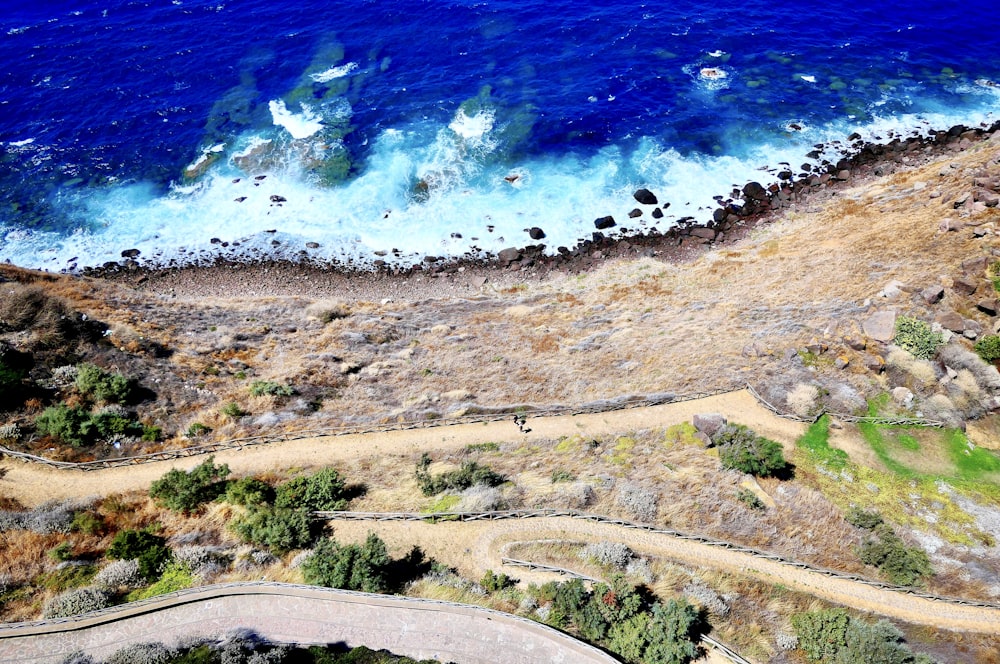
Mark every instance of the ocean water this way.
pixel 356 130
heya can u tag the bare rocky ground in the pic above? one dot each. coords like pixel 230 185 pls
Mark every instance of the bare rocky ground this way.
pixel 796 306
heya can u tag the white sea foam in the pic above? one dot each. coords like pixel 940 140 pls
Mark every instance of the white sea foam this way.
pixel 301 125
pixel 474 127
pixel 21 144
pixel 420 187
pixel 334 73
pixel 807 79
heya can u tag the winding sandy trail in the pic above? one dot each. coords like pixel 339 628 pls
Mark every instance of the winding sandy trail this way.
pixel 477 546
pixel 449 541
pixel 33 484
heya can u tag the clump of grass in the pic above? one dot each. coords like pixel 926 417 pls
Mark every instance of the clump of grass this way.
pixel 483 447
pixel 682 433
pixel 816 443
pixel 916 336
pixel 445 503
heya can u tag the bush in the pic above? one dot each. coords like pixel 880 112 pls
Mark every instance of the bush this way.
pixel 88 523
pixel 61 552
pixel 496 582
pixel 865 519
pixel 249 491
pixel 232 409
pixel 67 425
pixel 141 653
pixel 185 492
pixel 901 564
pixel 100 385
pixel 609 554
pixel 750 499
pixel 280 530
pixel 78 427
pixel 197 429
pixel 265 387
pixel 321 492
pixel 74 602
pixel 14 366
pixel 822 634
pixel 832 636
pixel 176 576
pixel 119 574
pixel 362 567
pixel 148 550
pixel 916 336
pixel 988 348
pixel 639 502
pixel 467 475
pixel 742 449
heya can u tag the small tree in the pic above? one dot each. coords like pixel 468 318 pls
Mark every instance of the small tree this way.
pixel 673 633
pixel 182 491
pixel 362 567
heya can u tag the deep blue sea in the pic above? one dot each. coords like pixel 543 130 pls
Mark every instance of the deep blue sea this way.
pixel 439 127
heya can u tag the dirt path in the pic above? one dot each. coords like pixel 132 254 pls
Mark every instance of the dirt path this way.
pixel 477 546
pixel 473 547
pixel 33 484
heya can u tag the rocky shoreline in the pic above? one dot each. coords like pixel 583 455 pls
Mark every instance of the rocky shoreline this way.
pixel 736 215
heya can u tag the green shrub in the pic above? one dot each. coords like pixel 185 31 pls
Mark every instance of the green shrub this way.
pixel 988 348
pixel 151 434
pixel 78 427
pixel 916 336
pixel 87 523
pixel 469 474
pixel 67 425
pixel 322 491
pixel 150 550
pixel 562 476
pixel 750 499
pixel 280 530
pixel 67 577
pixel 175 576
pixel 182 491
pixel 861 518
pixel 100 385
pixel 14 366
pixel 822 634
pixel 249 491
pixel 61 552
pixel 901 564
pixel 363 567
pixel 833 637
pixel 232 409
pixel 197 429
pixel 496 582
pixel 740 448
pixel 265 387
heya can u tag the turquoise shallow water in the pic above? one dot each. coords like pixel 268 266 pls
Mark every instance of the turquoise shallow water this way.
pixel 435 127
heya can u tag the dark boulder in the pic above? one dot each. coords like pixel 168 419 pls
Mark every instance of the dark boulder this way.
pixel 536 233
pixel 755 191
pixel 602 223
pixel 130 253
pixel 645 196
pixel 509 255
pixel 635 213
pixel 657 213
pixel 275 198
